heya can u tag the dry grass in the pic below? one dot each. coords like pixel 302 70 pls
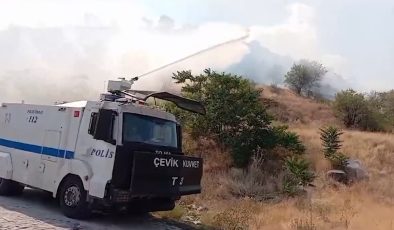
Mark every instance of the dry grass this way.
pixel 254 182
pixel 175 214
pixel 375 150
pixel 293 109
pixel 328 209
pixel 303 224
pixel 363 206
pixel 217 162
pixel 367 205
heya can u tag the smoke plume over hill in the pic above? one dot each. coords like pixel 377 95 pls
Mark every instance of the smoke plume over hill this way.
pixel 72 59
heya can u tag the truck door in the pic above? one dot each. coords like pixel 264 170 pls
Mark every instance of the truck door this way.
pixel 50 155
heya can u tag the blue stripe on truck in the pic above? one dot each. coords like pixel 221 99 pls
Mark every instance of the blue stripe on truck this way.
pixel 61 153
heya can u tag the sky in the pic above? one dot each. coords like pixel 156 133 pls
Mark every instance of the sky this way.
pixel 55 50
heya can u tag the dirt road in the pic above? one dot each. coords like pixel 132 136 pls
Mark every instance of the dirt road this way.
pixel 38 210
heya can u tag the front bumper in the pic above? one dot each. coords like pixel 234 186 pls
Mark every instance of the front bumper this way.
pixel 154 175
pixel 165 175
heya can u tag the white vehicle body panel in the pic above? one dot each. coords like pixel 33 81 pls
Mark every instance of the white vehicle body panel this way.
pixel 5 165
pixel 40 145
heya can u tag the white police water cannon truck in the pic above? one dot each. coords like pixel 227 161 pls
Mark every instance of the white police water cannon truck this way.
pixel 115 153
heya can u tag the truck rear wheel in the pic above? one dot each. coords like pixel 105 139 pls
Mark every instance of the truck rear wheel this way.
pixel 73 199
pixel 10 188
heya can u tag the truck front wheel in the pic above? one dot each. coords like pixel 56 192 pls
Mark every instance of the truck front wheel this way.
pixel 10 188
pixel 73 199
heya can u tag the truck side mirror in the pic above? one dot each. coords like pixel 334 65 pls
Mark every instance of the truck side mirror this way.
pixel 105 126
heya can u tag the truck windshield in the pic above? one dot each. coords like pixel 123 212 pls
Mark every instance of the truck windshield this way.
pixel 149 130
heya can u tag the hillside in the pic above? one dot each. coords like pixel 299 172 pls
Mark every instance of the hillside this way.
pixel 292 109
pixel 328 205
pixel 368 205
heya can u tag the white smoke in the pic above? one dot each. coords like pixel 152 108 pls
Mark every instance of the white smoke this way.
pixel 43 65
pixel 66 50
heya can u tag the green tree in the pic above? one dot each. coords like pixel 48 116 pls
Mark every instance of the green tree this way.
pixel 231 103
pixel 351 107
pixel 235 116
pixel 381 105
pixel 372 112
pixel 388 102
pixel 304 77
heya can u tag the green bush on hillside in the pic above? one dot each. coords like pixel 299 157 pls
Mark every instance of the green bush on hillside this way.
pixel 235 116
pixel 351 107
pixel 371 112
pixel 298 174
pixel 330 137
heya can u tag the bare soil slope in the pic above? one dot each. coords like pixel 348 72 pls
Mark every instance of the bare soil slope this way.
pixel 293 109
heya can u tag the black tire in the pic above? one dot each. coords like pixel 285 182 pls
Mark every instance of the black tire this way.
pixel 10 188
pixel 72 199
pixel 17 189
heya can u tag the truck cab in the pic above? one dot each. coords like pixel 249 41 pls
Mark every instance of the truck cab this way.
pixel 116 153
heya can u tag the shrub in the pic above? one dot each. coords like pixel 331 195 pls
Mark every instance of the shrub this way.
pixel 288 140
pixel 350 107
pixel 330 137
pixel 381 112
pixel 298 174
pixel 237 120
pixel 338 160
pixel 235 116
pixel 257 181
pixel 363 112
